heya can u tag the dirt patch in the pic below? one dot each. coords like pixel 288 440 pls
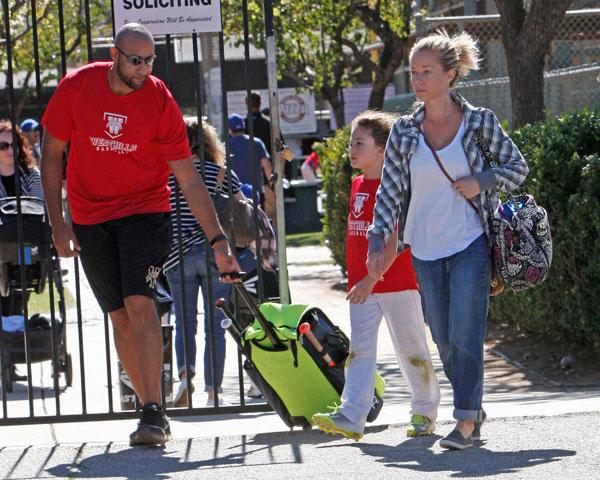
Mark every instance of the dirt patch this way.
pixel 549 361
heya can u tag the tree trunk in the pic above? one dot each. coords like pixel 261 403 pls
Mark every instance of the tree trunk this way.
pixel 334 97
pixel 526 36
pixel 526 73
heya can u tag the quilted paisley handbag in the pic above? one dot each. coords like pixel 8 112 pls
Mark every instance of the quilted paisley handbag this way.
pixel 521 238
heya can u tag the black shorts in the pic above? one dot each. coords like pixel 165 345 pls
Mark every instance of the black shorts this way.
pixel 124 257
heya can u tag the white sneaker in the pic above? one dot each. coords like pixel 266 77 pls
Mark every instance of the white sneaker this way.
pixel 254 392
pixel 181 396
pixel 210 402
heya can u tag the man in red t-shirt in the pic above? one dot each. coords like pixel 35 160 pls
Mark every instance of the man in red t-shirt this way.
pixel 126 134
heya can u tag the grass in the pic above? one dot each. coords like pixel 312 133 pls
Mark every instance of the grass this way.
pixel 40 303
pixel 304 239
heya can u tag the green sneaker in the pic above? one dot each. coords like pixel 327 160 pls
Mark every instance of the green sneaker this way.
pixel 336 423
pixel 420 426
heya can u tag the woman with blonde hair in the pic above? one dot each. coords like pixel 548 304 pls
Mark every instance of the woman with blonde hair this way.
pixel 197 276
pixel 437 188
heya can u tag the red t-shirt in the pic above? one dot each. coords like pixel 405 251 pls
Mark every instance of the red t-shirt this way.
pixel 400 276
pixel 119 145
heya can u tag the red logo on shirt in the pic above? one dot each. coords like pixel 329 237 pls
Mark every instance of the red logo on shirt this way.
pixel 114 124
pixel 359 204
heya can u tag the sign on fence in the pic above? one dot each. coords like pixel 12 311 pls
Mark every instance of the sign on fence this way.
pixel 170 16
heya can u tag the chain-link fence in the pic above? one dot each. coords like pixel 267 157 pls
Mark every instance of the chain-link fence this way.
pixel 572 77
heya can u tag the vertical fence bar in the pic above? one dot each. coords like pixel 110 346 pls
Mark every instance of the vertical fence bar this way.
pixel 52 262
pixel 20 230
pixel 199 95
pixel 225 113
pixel 284 292
pixel 256 179
pixel 180 249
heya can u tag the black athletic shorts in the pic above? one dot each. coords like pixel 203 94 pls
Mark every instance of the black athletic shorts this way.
pixel 124 257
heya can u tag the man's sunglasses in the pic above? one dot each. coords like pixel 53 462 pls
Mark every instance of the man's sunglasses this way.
pixel 136 59
pixel 5 145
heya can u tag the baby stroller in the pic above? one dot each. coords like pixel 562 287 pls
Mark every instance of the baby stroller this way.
pixel 38 257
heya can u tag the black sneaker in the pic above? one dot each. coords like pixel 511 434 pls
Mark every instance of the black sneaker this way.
pixel 152 427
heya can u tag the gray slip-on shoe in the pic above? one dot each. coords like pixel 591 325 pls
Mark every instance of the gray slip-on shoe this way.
pixel 455 441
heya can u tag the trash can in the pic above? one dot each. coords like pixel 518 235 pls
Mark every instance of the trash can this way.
pixel 300 203
pixel 129 400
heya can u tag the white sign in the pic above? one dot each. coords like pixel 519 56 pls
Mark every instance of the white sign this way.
pixel 170 16
pixel 296 109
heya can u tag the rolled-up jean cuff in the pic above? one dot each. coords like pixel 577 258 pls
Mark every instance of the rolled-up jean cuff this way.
pixel 467 414
pixel 376 243
pixel 209 388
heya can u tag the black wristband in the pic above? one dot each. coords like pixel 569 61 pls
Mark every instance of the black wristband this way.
pixel 218 238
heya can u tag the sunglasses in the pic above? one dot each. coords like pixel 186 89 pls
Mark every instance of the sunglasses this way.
pixel 5 145
pixel 136 59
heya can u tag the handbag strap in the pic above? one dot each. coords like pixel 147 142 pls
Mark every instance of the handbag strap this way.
pixel 439 163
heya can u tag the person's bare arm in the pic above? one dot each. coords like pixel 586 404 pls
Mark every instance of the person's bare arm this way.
pixel 267 169
pixel 63 237
pixel 201 205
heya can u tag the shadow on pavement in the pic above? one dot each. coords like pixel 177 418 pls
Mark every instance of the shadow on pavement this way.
pixel 416 454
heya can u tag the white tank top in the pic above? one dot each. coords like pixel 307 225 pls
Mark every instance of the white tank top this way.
pixel 439 222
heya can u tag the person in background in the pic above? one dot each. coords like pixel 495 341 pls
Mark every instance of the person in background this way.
pixel 239 145
pixel 31 129
pixel 309 167
pixel 261 122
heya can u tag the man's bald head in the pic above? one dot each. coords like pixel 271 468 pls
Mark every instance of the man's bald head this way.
pixel 132 32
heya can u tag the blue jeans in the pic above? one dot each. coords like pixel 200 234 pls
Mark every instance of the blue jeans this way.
pixel 196 278
pixel 455 292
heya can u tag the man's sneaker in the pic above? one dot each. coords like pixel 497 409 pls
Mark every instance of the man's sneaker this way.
pixel 455 441
pixel 181 396
pixel 152 427
pixel 336 423
pixel 476 435
pixel 420 426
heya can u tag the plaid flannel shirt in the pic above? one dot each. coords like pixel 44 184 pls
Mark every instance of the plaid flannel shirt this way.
pixel 393 195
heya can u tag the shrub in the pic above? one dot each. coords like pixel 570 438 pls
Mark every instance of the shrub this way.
pixel 565 179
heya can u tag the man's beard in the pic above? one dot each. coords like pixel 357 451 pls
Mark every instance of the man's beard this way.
pixel 126 80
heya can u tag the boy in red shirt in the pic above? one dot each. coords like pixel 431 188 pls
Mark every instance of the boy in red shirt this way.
pixel 394 296
pixel 126 135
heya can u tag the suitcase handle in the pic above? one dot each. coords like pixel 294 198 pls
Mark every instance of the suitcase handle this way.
pixel 264 323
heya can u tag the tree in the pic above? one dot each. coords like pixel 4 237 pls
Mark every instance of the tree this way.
pixel 21 34
pixel 324 45
pixel 528 28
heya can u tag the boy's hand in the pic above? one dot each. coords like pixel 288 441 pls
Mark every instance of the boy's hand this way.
pixel 359 292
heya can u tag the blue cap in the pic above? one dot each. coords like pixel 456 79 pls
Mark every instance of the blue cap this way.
pixel 29 125
pixel 235 122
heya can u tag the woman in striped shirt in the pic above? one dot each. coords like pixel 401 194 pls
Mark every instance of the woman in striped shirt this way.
pixel 197 275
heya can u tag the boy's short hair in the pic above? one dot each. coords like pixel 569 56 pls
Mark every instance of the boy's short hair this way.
pixel 380 124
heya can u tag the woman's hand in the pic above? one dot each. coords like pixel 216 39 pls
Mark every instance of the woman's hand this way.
pixel 375 266
pixel 468 187
pixel 360 291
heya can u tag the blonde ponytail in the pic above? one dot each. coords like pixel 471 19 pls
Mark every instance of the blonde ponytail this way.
pixel 459 52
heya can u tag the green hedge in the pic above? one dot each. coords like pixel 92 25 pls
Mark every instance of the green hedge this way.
pixel 563 156
pixel 337 181
pixel 564 177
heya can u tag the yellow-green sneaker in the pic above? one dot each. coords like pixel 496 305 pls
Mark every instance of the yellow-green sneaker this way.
pixel 336 423
pixel 420 426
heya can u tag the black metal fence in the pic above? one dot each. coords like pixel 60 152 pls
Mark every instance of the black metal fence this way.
pixel 41 39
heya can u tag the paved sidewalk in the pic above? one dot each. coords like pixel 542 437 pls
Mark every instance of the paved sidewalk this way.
pixel 525 448
pixel 214 441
